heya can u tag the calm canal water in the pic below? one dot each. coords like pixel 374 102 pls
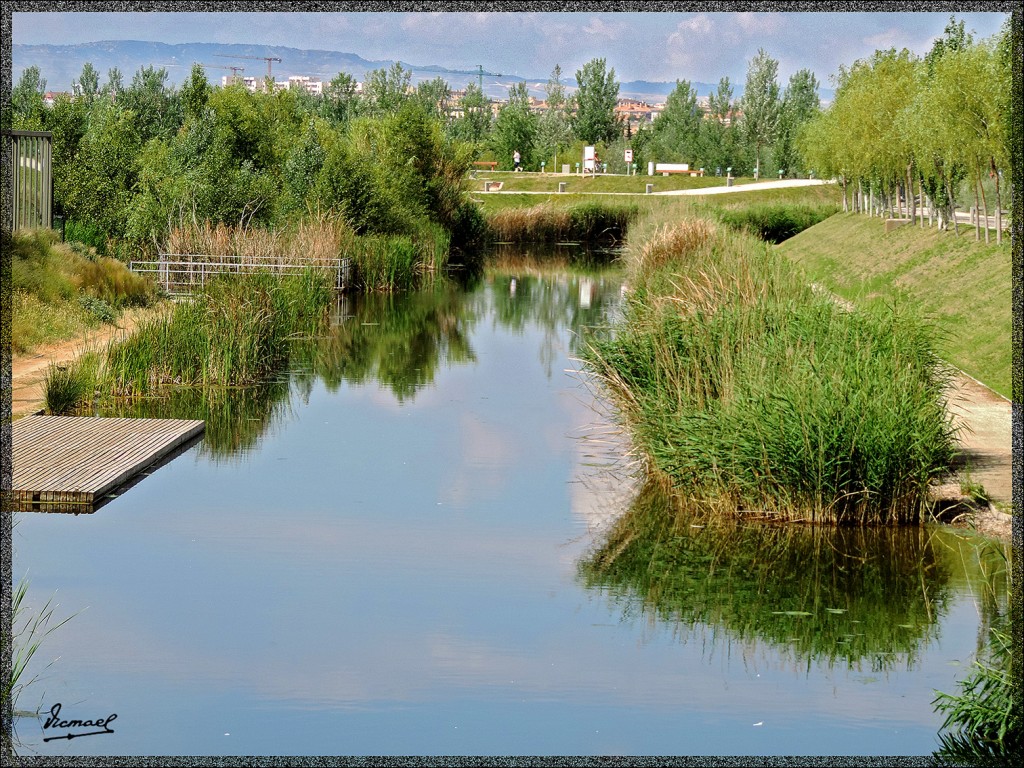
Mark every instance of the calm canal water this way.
pixel 413 545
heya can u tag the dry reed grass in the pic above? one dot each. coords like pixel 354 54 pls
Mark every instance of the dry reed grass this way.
pixel 310 242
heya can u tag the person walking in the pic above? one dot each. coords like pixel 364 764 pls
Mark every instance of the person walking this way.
pixel 515 161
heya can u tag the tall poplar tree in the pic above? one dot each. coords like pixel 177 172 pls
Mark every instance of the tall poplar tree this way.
pixel 553 133
pixel 761 104
pixel 595 99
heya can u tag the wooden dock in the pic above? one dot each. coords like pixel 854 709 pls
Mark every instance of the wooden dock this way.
pixel 69 463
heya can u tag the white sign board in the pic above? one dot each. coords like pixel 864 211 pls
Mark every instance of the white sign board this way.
pixel 589 155
pixel 629 155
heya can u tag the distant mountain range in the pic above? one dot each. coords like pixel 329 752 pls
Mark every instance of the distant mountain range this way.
pixel 60 65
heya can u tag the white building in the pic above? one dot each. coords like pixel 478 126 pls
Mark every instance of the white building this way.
pixel 314 87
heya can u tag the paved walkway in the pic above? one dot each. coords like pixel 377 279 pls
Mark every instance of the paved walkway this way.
pixel 747 187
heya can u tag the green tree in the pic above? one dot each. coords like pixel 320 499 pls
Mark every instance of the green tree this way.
pixel 195 93
pixel 155 104
pixel 105 169
pixel 761 105
pixel 301 169
pixel 66 120
pixel 340 101
pixel 433 96
pixel 474 124
pixel 515 128
pixel 596 96
pixel 114 84
pixel 87 86
pixel 961 118
pixel 27 104
pixel 800 103
pixel 553 132
pixel 719 138
pixel 202 174
pixel 677 128
pixel 953 38
pixel 385 90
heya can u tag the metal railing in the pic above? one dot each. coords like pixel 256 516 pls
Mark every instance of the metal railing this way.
pixel 29 173
pixel 181 274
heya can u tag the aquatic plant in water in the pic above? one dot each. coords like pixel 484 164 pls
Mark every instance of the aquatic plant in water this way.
pixel 752 392
pixel 236 332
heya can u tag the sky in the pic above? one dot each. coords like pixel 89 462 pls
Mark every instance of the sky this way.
pixel 695 46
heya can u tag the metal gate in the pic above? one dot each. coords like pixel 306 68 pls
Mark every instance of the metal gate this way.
pixel 29 156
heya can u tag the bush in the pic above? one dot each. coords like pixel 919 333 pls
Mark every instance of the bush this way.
pixel 113 283
pixel 775 223
pixel 89 235
pixel 98 308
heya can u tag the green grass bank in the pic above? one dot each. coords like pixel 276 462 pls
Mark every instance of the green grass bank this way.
pixel 964 286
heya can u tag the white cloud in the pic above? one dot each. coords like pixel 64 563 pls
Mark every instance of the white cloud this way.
pixel 754 24
pixel 599 28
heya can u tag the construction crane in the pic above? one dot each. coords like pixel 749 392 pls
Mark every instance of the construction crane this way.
pixel 234 70
pixel 267 59
pixel 481 73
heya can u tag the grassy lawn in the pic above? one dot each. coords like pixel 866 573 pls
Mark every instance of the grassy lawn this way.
pixel 610 183
pixel 963 285
pixel 673 205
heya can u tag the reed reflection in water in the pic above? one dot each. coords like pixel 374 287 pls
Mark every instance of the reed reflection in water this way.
pixel 860 597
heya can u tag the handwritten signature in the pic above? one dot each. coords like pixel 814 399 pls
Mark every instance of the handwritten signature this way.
pixel 54 721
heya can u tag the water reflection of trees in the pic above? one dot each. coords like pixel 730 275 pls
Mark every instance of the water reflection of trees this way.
pixel 833 595
pixel 236 418
pixel 399 341
pixel 553 288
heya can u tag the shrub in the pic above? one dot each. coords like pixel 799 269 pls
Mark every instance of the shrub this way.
pixel 98 308
pixel 89 235
pixel 776 222
pixel 68 388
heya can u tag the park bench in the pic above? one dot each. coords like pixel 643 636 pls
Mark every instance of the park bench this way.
pixel 666 168
pixel 486 164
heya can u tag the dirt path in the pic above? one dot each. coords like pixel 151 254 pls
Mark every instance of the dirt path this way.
pixel 986 445
pixel 28 371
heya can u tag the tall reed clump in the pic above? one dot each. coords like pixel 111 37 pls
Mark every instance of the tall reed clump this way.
pixel 398 262
pixel 69 387
pixel 314 240
pixel 546 222
pixel 234 333
pixel 757 396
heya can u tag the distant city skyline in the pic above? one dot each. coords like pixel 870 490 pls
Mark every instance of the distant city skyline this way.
pixel 695 46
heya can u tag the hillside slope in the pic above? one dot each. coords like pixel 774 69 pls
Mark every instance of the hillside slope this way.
pixel 964 286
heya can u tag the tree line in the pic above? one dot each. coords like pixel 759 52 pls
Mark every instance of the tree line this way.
pixel 132 159
pixel 904 130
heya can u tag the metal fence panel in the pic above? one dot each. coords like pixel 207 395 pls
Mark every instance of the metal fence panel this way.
pixel 29 157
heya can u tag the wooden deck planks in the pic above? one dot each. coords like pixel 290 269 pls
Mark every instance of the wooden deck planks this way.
pixel 76 460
